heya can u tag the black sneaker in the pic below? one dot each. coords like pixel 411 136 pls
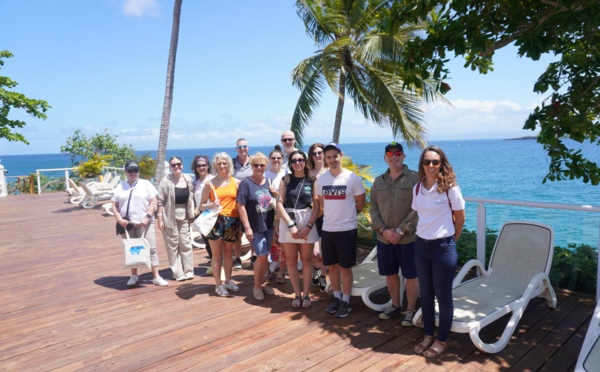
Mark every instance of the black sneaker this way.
pixel 315 277
pixel 237 263
pixel 343 310
pixel 322 283
pixel 333 308
pixel 390 312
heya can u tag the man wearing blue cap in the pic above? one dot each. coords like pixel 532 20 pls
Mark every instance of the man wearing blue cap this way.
pixel 342 196
pixel 395 223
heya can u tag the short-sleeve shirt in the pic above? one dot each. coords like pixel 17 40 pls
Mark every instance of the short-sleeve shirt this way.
pixel 339 203
pixel 257 200
pixel 241 171
pixel 300 189
pixel 141 194
pixel 435 213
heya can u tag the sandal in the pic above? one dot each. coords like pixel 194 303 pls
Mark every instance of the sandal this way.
pixel 423 345
pixel 297 302
pixel 306 302
pixel 435 350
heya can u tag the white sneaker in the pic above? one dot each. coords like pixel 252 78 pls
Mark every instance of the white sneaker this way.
pixel 159 282
pixel 133 280
pixel 189 276
pixel 232 286
pixel 221 291
pixel 181 278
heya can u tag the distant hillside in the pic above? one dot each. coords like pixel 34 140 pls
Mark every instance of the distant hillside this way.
pixel 521 138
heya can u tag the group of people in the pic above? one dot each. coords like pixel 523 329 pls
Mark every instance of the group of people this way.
pixel 300 210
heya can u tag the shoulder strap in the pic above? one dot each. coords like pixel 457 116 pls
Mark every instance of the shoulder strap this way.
pixel 286 179
pixel 417 188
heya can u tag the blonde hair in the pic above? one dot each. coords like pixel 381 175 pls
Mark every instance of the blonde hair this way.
pixel 259 158
pixel 223 155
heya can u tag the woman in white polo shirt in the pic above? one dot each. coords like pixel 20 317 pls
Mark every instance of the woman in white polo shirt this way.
pixel 441 209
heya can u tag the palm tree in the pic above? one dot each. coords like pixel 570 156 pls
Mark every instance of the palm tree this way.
pixel 359 59
pixel 166 115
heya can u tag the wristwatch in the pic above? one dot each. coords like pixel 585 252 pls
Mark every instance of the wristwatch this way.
pixel 149 215
pixel 291 224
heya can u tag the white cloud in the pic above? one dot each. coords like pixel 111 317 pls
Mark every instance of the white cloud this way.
pixel 141 8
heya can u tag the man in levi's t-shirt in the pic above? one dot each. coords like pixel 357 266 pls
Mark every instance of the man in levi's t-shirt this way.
pixel 342 196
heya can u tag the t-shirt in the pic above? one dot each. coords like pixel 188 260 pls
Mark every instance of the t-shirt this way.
pixel 199 185
pixel 257 200
pixel 433 207
pixel 275 177
pixel 300 189
pixel 339 204
pixel 142 192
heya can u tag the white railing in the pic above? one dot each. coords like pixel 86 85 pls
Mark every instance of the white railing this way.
pixel 481 222
pixel 37 175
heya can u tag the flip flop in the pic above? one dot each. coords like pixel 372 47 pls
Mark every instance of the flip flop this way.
pixel 297 302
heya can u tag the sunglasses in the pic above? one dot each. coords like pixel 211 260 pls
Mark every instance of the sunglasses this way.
pixel 296 161
pixel 133 171
pixel 317 153
pixel 175 165
pixel 201 165
pixel 287 139
pixel 276 158
pixel 392 153
pixel 434 162
pixel 242 147
pixel 259 165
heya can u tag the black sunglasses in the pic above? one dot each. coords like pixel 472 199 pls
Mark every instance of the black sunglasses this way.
pixel 434 162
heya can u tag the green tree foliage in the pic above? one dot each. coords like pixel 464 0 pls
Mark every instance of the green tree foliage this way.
pixel 359 59
pixel 147 165
pixel 80 148
pixel 568 29
pixel 9 100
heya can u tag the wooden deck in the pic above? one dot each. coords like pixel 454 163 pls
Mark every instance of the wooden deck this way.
pixel 64 305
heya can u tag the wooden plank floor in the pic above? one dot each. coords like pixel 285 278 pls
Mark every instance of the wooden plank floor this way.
pixel 64 305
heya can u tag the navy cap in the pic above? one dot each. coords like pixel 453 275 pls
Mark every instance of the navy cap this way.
pixel 393 145
pixel 332 145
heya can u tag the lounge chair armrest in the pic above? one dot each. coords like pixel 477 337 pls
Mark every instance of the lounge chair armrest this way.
pixel 465 270
pixel 371 256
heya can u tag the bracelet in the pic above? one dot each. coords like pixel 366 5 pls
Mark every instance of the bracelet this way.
pixel 310 225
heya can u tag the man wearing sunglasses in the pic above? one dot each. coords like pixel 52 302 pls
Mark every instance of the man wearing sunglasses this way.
pixel 241 169
pixel 395 223
pixel 342 195
pixel 288 140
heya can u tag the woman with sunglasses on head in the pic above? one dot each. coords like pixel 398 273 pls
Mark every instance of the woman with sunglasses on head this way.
pixel 275 173
pixel 176 211
pixel 299 208
pixel 441 208
pixel 201 168
pixel 225 232
pixel 318 166
pixel 134 201
pixel 257 216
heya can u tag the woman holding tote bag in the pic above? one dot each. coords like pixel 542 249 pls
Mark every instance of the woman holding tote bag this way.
pixel 134 201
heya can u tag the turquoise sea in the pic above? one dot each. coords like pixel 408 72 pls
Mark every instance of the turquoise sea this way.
pixel 494 169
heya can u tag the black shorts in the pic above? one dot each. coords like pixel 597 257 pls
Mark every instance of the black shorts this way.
pixel 319 226
pixel 339 247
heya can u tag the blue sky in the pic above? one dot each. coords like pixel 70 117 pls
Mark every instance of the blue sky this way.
pixel 102 65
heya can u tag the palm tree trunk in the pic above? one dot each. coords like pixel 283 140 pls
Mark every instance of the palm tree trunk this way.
pixel 166 115
pixel 340 108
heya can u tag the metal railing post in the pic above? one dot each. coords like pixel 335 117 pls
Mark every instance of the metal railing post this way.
pixel 481 232
pixel 37 173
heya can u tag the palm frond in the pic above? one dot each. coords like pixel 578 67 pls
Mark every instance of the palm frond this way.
pixel 308 77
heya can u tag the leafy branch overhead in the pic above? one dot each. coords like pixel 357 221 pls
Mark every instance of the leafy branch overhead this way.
pixel 10 100
pixel 569 30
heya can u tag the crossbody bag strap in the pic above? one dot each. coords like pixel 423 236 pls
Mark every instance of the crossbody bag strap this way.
pixel 129 199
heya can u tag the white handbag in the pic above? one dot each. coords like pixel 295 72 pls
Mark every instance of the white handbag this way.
pixel 136 250
pixel 207 219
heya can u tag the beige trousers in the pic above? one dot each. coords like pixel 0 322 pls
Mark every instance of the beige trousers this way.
pixel 179 248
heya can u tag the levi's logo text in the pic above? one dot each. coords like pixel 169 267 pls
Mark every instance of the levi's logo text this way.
pixel 334 192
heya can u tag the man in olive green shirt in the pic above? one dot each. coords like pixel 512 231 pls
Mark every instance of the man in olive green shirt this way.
pixel 395 223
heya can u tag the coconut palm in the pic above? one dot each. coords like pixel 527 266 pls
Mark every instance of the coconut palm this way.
pixel 166 115
pixel 358 59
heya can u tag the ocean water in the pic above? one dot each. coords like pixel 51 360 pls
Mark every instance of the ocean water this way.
pixel 494 169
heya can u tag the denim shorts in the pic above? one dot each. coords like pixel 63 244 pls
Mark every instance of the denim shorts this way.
pixel 261 242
